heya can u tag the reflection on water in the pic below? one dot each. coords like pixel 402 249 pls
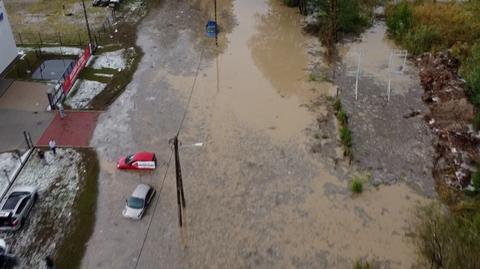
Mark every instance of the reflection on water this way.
pixel 51 69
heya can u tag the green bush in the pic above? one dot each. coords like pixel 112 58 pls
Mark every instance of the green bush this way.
pixel 476 180
pixel 447 240
pixel 291 3
pixel 350 18
pixel 346 137
pixel 476 121
pixel 421 39
pixel 357 187
pixel 360 265
pixel 337 105
pixel 342 117
pixel 399 19
pixel 471 71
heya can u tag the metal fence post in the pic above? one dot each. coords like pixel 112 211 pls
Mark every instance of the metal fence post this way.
pixel 40 37
pixel 20 39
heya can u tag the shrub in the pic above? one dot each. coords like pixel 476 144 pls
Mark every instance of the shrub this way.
pixel 342 117
pixel 399 19
pixel 476 121
pixel 447 240
pixel 357 187
pixel 476 180
pixel 346 137
pixel 471 71
pixel 454 21
pixel 421 39
pixel 337 105
pixel 350 18
pixel 291 3
pixel 360 265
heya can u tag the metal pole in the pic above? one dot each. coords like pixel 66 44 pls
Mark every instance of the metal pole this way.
pixel 358 73
pixel 86 22
pixel 404 60
pixel 216 23
pixel 389 76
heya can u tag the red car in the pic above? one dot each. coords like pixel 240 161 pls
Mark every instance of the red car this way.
pixel 138 161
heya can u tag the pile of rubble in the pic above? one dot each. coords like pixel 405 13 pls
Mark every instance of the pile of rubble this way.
pixel 450 118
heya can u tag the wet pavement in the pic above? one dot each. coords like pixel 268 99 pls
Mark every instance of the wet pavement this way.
pixel 256 196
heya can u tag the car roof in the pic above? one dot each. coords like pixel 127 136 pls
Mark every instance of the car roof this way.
pixel 141 190
pixel 12 202
pixel 23 189
pixel 144 156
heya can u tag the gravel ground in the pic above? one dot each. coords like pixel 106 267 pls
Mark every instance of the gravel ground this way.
pixel 57 180
pixel 83 93
pixel 112 59
pixel 390 139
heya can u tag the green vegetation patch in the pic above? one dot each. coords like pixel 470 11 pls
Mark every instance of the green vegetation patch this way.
pixel 448 239
pixel 70 251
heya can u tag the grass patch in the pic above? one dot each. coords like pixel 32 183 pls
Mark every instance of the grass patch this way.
pixel 90 73
pixel 476 180
pixel 337 105
pixel 356 185
pixel 345 133
pixel 346 138
pixel 447 239
pixel 342 117
pixel 70 251
pixel 118 82
pixel 359 264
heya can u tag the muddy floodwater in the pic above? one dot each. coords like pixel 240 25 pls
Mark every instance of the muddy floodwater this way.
pixel 256 195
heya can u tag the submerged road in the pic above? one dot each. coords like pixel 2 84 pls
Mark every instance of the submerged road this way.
pixel 256 196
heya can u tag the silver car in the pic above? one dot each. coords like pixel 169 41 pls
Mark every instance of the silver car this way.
pixel 139 201
pixel 15 208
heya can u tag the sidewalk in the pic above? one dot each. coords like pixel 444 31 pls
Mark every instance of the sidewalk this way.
pixel 75 130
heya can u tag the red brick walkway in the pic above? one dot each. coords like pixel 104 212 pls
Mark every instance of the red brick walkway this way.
pixel 75 130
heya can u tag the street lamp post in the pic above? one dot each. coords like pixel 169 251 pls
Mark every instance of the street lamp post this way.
pixel 86 22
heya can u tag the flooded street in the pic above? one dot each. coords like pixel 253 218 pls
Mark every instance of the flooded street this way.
pixel 256 196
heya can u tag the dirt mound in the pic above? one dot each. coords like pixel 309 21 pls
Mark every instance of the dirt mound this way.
pixel 450 118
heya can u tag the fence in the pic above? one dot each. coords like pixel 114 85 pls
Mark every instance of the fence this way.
pixel 78 38
pixel 65 83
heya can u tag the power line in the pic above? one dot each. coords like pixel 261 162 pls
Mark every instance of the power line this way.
pixel 154 210
pixel 170 159
pixel 191 93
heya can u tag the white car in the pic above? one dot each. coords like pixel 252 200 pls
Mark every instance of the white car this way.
pixel 136 204
pixel 15 207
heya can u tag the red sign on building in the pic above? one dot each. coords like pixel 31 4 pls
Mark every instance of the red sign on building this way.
pixel 77 68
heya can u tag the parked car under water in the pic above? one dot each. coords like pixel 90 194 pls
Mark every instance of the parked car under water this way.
pixel 138 202
pixel 15 207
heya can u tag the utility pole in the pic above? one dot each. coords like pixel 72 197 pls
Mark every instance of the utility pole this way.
pixel 178 174
pixel 216 23
pixel 86 22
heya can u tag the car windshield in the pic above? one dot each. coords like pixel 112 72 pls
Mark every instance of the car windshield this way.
pixel 129 159
pixel 13 199
pixel 135 202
